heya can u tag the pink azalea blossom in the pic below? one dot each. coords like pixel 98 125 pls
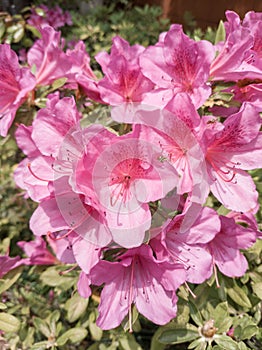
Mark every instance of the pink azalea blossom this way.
pixel 183 240
pixel 137 278
pixel 125 174
pixel 81 73
pixel 225 247
pixel 47 58
pixel 231 148
pixel 15 85
pixel 54 17
pixel 67 214
pixel 178 64
pixel 37 252
pixel 123 81
pixel 41 143
pixel 240 56
pixel 172 130
pixel 7 264
pixel 226 66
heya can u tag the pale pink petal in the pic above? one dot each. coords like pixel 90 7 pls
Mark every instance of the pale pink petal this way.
pixel 239 194
pixel 47 218
pixel 83 286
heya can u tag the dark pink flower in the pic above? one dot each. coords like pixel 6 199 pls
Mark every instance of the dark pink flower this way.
pixel 240 57
pixel 125 173
pixel 7 264
pixel 15 85
pixel 41 143
pixel 137 278
pixel 37 252
pixel 83 285
pixel 178 64
pixel 225 247
pixel 231 148
pixel 47 57
pixel 55 17
pixel 172 131
pixel 81 73
pixel 123 81
pixel 183 240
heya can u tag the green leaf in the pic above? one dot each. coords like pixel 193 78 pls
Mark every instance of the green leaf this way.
pixel 76 307
pixel 3 306
pixel 58 83
pixel 125 322
pixel 237 294
pixel 257 289
pixel 96 332
pixel 179 335
pixel 74 335
pixel 52 320
pixel 242 346
pixel 129 343
pixel 248 332
pixel 202 346
pixel 198 343
pixel 42 326
pixel 52 278
pixel 33 30
pixel 2 29
pixel 221 317
pixel 19 33
pixel 195 314
pixel 9 323
pixel 42 345
pixel 221 32
pixel 225 342
pixel 29 339
pixel 10 278
pixel 155 345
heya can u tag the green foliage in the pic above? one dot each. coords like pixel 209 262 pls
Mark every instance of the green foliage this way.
pixel 135 24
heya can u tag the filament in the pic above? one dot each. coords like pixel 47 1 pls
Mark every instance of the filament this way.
pixel 32 173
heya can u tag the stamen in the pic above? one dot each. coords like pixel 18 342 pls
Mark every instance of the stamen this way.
pixel 222 173
pixel 130 296
pixel 190 290
pixel 57 238
pixel 61 273
pixel 32 173
pixel 123 185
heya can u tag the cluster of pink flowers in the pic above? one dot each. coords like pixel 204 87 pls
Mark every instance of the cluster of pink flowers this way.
pixel 129 207
pixel 54 17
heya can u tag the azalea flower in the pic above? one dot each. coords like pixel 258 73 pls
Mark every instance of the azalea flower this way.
pixel 173 132
pixel 47 58
pixel 240 56
pixel 184 238
pixel 231 148
pixel 15 84
pixel 37 252
pixel 123 81
pixel 54 17
pixel 41 143
pixel 80 72
pixel 226 245
pixel 7 263
pixel 140 279
pixel 125 174
pixel 178 64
